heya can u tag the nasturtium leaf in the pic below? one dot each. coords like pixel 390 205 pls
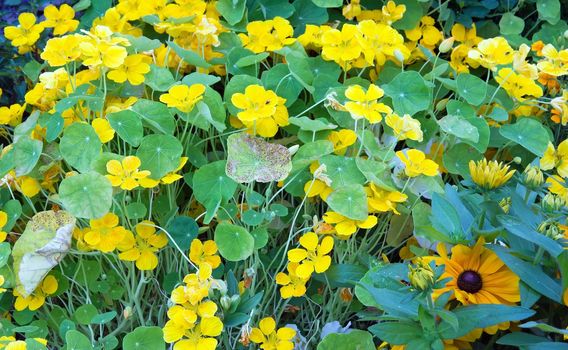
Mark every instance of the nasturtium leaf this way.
pixel 189 56
pixel 459 127
pixel 509 24
pixel 300 69
pixel 260 235
pixel 99 164
pixel 280 80
pixel 471 88
pixel 235 243
pixel 307 13
pixel 45 241
pixel 412 15
pixel 409 92
pixel 273 8
pixel 128 126
pixel 103 318
pixel 144 338
pixel 309 152
pixel 75 340
pixel 349 201
pixel 86 195
pixel 53 124
pixel 159 154
pixel 13 208
pixel 252 217
pixel 211 186
pixel 328 3
pixel 312 125
pixel 529 133
pixel 200 78
pixel 342 171
pixel 32 69
pixel 182 230
pixel 549 10
pixel 251 60
pixel 252 158
pixel 136 210
pixel 159 78
pixel 156 115
pixel 79 146
pixel 498 114
pixel 235 56
pixel 354 340
pixel 4 253
pixel 456 159
pixel 26 154
pixel 141 43
pixel 209 111
pixel 232 10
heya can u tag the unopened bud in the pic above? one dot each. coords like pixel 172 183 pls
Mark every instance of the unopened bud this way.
pixel 441 105
pixel 421 275
pixel 399 55
pixel 517 160
pixel 446 45
pixel 127 312
pixel 551 230
pixel 552 203
pixel 505 204
pixel 533 177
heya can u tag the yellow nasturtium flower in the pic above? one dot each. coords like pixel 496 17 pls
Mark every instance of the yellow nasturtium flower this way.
pixel 555 62
pixel 12 115
pixel 363 104
pixel 103 129
pixel 392 12
pixel 405 127
pixel 3 222
pixel 292 284
pixel 143 247
pixel 104 234
pixel 196 287
pixel 125 174
pixel 270 338
pixel 556 158
pixel 35 300
pixel 183 97
pixel 489 175
pixel 492 52
pixel 341 46
pixel 262 111
pixel 133 69
pixel 345 227
pixel 204 253
pixel 61 20
pixel 25 35
pixel 341 140
pixel 60 51
pixel 416 164
pixel 382 200
pixel 518 85
pixel 313 256
pixel 269 35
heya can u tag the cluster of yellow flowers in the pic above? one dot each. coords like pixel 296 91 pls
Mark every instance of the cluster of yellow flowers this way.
pixel 192 322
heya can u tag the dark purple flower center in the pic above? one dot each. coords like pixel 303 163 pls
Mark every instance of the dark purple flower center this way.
pixel 470 281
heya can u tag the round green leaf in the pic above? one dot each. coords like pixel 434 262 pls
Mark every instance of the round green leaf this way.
pixel 136 210
pixel 128 126
pixel 342 171
pixel 182 230
pixel 409 93
pixel 103 318
pixel 349 201
pixel 159 154
pixel 144 338
pixel 87 195
pixel 252 217
pixel 235 243
pixel 510 24
pixel 26 154
pixel 80 145
pixel 260 236
pixel 471 88
pixel 76 340
pixel 457 158
pixel 85 313
pixel 354 340
pixel 529 133
pixel 211 182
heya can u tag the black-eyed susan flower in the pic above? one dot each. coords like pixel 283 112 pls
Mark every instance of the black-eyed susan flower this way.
pixel 270 338
pixel 143 246
pixel 313 256
pixel 416 163
pixel 35 300
pixel 489 174
pixel 477 275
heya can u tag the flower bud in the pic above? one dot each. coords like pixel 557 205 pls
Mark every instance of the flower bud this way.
pixel 505 204
pixel 446 45
pixel 441 105
pixel 517 160
pixel 533 177
pixel 551 230
pixel 127 312
pixel 552 203
pixel 421 275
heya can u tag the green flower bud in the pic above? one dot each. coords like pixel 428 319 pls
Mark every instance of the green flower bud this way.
pixel 421 275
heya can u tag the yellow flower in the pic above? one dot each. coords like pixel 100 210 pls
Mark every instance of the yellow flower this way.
pixel 35 300
pixel 2 281
pixel 183 97
pixel 173 176
pixel 60 51
pixel 341 140
pixel 558 186
pixel 426 32
pixel 196 287
pixel 3 234
pixel 61 20
pixel 415 163
pixel 380 42
pixel 518 85
pixel 12 115
pixel 262 110
pixel 201 336
pixel 116 104
pixel 133 70
pixel 345 227
pixel 555 62
pixel 381 200
pixel 320 185
pixel 405 127
pixel 392 12
pixel 103 129
pixel 28 186
pixel 489 175
pixel 144 246
pixel 104 233
pixel 477 276
pixel 292 284
pixel 271 339
pixel 96 54
pixel 352 9
pixel 363 104
pixel 556 158
pixel 26 33
pixel 126 174
pixel 269 35
pixel 492 52
pixel 312 37
pixel 313 256
pixel 204 253
pixel 341 46
pixel 521 66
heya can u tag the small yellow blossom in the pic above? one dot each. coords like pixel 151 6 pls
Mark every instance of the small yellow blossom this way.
pixel 104 234
pixel 12 115
pixel 415 163
pixel 183 97
pixel 3 222
pixel 270 338
pixel 492 52
pixel 133 70
pixel 341 140
pixel 204 253
pixel 103 129
pixel 345 227
pixel 35 300
pixel 405 127
pixel 25 35
pixel 363 104
pixel 556 158
pixel 143 247
pixel 126 174
pixel 555 62
pixel 292 284
pixel 269 35
pixel 518 85
pixel 61 20
pixel 381 200
pixel 313 256
pixel 489 175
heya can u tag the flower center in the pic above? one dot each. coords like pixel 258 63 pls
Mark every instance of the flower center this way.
pixel 470 281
